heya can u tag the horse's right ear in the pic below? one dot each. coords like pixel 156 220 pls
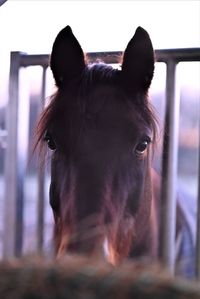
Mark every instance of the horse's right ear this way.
pixel 67 57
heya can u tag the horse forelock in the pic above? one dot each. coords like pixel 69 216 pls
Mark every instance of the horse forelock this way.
pixel 112 222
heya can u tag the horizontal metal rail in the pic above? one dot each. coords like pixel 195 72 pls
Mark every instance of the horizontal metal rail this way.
pixel 15 196
pixel 183 54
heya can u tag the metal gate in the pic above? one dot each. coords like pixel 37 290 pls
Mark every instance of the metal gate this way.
pixel 16 155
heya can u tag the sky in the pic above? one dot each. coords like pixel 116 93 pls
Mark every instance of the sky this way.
pixel 32 25
pixel 101 25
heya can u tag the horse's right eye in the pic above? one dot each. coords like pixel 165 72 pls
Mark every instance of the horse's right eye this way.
pixel 49 140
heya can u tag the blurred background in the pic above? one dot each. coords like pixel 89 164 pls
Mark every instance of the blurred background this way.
pixel 31 27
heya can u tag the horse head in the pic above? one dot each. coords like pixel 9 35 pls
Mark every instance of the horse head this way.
pixel 100 128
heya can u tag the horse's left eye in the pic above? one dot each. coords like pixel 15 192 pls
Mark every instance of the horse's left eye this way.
pixel 142 146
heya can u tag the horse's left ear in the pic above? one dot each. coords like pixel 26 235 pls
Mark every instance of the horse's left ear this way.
pixel 138 62
pixel 67 57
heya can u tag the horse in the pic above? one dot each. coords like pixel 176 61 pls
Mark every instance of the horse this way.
pixel 101 129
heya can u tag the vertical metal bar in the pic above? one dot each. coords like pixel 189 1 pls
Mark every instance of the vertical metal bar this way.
pixel 14 168
pixel 10 158
pixel 169 170
pixel 197 262
pixel 41 180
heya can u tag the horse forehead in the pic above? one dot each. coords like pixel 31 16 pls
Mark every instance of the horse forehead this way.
pixel 105 99
pixel 111 104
